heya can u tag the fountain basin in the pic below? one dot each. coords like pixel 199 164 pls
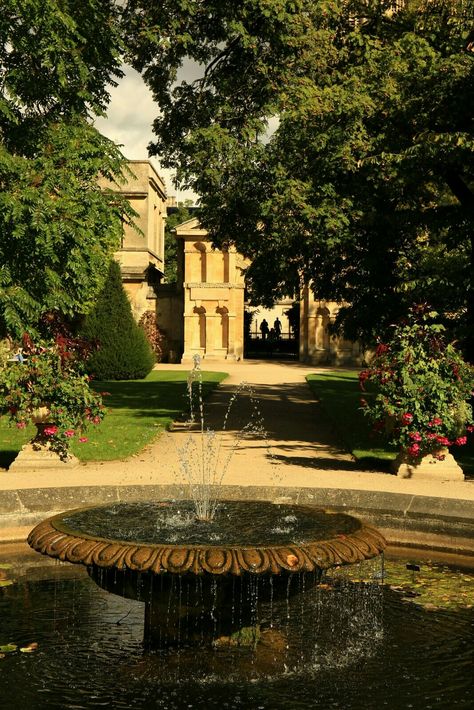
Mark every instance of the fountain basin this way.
pixel 246 537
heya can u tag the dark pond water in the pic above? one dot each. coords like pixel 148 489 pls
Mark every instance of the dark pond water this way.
pixel 346 647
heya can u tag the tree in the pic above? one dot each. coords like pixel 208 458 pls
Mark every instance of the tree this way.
pixel 364 186
pixel 180 215
pixel 124 352
pixel 57 227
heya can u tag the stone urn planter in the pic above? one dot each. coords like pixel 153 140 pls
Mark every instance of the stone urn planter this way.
pixel 444 468
pixel 37 453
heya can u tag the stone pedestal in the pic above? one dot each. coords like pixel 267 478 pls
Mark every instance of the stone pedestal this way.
pixel 34 456
pixel 429 468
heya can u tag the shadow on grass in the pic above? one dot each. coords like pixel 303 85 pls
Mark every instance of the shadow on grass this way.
pixel 145 397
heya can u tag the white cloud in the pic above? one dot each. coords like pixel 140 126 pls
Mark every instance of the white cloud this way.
pixel 129 124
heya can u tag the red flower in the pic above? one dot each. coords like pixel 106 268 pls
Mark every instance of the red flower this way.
pixel 51 430
pixel 436 421
pixel 20 425
pixel 415 436
pixel 407 418
pixel 443 440
pixel 461 440
pixel 69 433
pixel 413 450
pixel 83 439
pixel 381 349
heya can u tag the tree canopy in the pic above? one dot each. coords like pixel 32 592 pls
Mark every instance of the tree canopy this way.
pixel 331 140
pixel 58 229
pixel 181 214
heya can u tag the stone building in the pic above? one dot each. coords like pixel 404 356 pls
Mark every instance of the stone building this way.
pixel 141 255
pixel 204 312
pixel 317 345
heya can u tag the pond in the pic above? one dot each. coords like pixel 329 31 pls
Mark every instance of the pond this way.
pixel 346 644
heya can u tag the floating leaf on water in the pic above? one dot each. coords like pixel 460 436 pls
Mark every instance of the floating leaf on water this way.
pixel 8 648
pixel 29 648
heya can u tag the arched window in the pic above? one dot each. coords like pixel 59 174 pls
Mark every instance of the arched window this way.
pixel 201 332
pixel 224 313
pixel 201 247
pixel 322 324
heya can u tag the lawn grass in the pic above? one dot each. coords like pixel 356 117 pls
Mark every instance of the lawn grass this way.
pixel 138 411
pixel 339 394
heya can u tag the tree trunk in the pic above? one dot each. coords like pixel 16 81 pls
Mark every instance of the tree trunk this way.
pixel 466 197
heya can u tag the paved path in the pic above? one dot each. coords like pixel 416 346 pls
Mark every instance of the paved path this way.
pixel 300 449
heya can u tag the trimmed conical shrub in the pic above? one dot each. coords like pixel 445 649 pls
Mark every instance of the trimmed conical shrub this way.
pixel 124 352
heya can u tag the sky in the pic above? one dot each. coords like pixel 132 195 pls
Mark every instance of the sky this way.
pixel 129 124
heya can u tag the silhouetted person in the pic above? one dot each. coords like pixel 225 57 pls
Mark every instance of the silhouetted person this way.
pixel 277 328
pixel 264 329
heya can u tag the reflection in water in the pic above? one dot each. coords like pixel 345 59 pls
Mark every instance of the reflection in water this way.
pixel 336 646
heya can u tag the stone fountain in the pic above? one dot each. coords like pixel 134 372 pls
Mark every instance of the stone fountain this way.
pixel 201 576
pixel 188 572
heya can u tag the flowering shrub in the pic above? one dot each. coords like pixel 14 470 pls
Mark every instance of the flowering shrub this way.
pixel 149 325
pixel 51 376
pixel 422 389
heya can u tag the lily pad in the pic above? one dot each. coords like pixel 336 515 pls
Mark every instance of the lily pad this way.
pixel 8 648
pixel 432 587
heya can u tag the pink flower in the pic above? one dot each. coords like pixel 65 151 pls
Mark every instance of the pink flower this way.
pixel 430 435
pixel 436 421
pixel 407 418
pixel 83 439
pixel 413 450
pixel 20 425
pixel 470 428
pixel 69 433
pixel 96 420
pixel 443 440
pixel 461 440
pixel 415 436
pixel 51 430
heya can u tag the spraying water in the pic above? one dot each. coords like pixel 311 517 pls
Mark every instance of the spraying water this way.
pixel 203 458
